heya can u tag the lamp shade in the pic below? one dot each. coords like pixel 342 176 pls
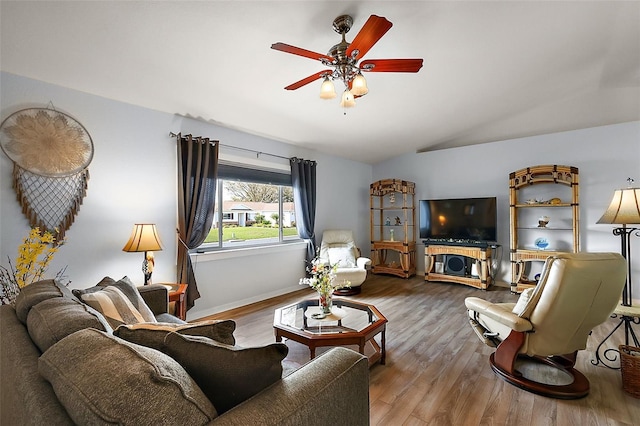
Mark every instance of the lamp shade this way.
pixel 327 90
pixel 347 100
pixel 359 85
pixel 624 208
pixel 144 237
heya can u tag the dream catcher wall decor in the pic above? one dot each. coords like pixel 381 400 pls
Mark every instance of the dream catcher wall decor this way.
pixel 51 153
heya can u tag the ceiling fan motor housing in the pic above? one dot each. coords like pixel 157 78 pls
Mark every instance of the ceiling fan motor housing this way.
pixel 342 24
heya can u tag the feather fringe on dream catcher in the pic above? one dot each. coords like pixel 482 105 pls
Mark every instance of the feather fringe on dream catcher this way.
pixel 50 151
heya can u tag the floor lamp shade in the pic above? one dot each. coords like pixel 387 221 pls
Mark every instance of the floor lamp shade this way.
pixel 624 208
pixel 144 238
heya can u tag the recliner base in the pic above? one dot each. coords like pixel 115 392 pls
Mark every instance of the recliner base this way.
pixel 347 291
pixel 579 388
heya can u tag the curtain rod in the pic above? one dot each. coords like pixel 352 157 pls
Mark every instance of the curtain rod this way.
pixel 258 153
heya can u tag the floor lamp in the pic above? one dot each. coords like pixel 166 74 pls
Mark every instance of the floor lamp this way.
pixel 624 210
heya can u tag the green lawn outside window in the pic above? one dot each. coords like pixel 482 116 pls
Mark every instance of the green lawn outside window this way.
pixel 248 233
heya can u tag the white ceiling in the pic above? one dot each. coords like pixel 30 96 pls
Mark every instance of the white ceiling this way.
pixel 492 70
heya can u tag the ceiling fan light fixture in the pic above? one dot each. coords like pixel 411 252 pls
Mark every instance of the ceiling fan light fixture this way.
pixel 359 85
pixel 348 100
pixel 342 60
pixel 327 90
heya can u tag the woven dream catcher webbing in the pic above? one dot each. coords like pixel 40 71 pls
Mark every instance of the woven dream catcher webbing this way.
pixel 51 152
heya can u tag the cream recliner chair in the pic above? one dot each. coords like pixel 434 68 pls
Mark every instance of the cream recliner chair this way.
pixel 551 322
pixel 338 246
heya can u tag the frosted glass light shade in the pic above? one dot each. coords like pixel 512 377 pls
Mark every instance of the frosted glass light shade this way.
pixel 624 208
pixel 348 100
pixel 359 86
pixel 327 90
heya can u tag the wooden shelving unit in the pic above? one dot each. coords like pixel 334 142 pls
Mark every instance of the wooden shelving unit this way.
pixel 545 190
pixel 393 216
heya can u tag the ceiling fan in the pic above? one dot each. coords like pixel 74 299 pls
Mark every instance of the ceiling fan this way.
pixel 342 60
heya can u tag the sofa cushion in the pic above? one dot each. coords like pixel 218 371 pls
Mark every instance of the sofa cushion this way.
pixel 228 375
pixel 52 320
pixel 152 335
pixel 126 286
pixel 102 379
pixel 35 293
pixel 116 307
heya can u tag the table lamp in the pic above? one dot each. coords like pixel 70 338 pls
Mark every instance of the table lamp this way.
pixel 144 238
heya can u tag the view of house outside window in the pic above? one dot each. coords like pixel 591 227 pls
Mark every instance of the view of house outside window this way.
pixel 248 214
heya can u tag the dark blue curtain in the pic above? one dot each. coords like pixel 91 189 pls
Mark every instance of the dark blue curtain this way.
pixel 303 181
pixel 197 176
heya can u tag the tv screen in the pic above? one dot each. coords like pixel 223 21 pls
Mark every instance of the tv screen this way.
pixel 460 218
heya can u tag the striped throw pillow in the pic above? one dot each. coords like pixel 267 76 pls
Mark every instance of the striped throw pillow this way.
pixel 116 307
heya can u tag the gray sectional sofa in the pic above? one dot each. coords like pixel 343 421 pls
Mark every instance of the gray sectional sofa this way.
pixel 61 363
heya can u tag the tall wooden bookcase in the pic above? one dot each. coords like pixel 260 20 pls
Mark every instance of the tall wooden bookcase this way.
pixel 393 233
pixel 535 192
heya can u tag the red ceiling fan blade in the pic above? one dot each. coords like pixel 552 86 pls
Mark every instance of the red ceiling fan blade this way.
pixel 300 52
pixel 391 65
pixel 371 32
pixel 310 79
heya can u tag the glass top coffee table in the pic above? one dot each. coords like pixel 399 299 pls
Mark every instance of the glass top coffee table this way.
pixel 350 323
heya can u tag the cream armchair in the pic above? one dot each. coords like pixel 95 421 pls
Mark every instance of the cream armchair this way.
pixel 551 322
pixel 339 247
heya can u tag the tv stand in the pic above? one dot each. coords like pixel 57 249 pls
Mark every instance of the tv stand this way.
pixel 480 253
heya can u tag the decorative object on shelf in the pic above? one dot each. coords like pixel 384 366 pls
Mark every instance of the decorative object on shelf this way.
pixel 387 221
pixel 34 255
pixel 398 221
pixel 144 238
pixel 342 60
pixel 391 235
pixel 543 221
pixel 624 210
pixel 51 152
pixel 392 198
pixel 322 277
pixel 541 243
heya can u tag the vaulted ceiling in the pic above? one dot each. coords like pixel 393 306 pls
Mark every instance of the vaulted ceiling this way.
pixel 492 70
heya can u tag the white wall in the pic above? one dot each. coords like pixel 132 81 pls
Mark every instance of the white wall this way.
pixel 133 179
pixel 606 156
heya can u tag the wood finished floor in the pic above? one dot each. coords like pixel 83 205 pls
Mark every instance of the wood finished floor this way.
pixel 437 371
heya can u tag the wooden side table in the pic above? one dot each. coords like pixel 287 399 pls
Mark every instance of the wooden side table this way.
pixel 178 294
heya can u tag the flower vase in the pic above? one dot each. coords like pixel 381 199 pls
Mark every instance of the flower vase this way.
pixel 326 301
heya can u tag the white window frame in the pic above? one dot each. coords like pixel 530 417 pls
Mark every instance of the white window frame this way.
pixel 218 219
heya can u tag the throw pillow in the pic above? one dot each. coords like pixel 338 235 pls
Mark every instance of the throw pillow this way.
pixel 152 335
pixel 523 300
pixel 100 379
pixel 127 287
pixel 54 319
pixel 35 293
pixel 342 256
pixel 116 307
pixel 228 375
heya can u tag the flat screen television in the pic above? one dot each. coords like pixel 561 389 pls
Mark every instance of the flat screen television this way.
pixel 472 219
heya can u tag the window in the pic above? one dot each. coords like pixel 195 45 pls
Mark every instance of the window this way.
pixel 253 207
